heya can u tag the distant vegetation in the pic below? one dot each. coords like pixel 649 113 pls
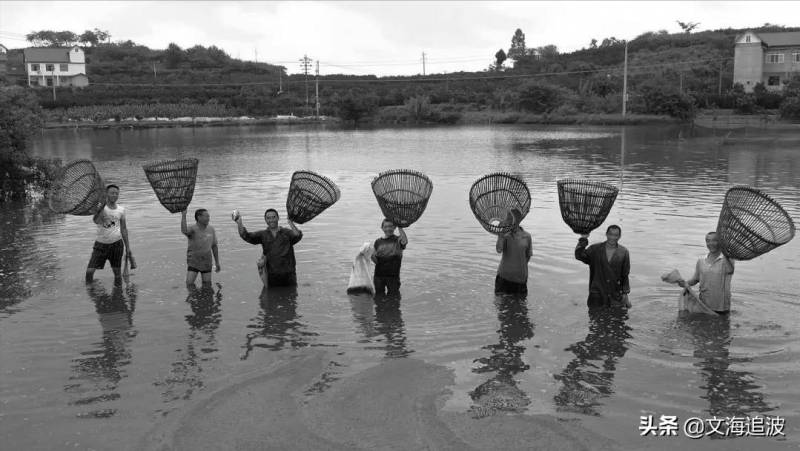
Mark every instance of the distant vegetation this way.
pixel 671 74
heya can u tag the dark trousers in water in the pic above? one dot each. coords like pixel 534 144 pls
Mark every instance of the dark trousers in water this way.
pixel 282 280
pixel 502 285
pixel 386 285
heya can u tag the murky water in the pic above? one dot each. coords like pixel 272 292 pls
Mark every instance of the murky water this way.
pixel 81 366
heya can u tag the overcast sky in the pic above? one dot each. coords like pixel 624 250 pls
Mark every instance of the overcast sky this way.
pixel 382 38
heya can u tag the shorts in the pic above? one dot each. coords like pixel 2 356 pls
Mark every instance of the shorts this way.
pixel 193 269
pixel 112 252
pixel 502 285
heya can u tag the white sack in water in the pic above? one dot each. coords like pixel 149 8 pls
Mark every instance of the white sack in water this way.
pixel 687 300
pixel 362 270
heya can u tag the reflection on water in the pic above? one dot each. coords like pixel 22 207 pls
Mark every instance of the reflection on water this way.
pixel 589 377
pixel 501 393
pixel 672 192
pixel 200 346
pixel 96 375
pixel 27 262
pixel 277 325
pixel 380 322
pixel 729 392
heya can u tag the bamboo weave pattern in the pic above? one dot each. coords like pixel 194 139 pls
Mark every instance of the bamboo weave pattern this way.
pixel 585 204
pixel 77 189
pixel 402 195
pixel 309 195
pixel 493 196
pixel 751 224
pixel 173 182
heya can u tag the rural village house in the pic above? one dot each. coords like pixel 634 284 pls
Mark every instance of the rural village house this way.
pixel 39 66
pixel 769 58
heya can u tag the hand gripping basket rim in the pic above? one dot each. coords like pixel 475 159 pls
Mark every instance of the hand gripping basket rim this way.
pixel 412 190
pixel 80 203
pixel 173 181
pixel 737 225
pixel 309 195
pixel 589 215
pixel 477 207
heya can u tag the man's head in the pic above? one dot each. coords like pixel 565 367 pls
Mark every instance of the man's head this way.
pixel 202 216
pixel 712 241
pixel 388 227
pixel 112 193
pixel 613 233
pixel 271 218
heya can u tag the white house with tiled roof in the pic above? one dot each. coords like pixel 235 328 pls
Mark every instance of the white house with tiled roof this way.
pixel 769 58
pixel 60 66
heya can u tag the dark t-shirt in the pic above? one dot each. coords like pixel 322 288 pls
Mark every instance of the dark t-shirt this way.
pixel 389 256
pixel 278 249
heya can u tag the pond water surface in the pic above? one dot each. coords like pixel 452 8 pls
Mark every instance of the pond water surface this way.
pixel 81 364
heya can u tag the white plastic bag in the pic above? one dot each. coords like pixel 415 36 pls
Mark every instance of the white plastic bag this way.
pixel 687 300
pixel 362 270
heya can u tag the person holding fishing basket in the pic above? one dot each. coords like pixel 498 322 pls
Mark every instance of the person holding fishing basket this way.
pixel 112 242
pixel 277 264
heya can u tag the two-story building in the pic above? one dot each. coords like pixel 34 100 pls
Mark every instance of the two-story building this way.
pixel 55 66
pixel 769 58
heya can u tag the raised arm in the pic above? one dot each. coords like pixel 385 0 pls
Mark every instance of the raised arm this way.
pixel 297 235
pixel 581 253
pixel 403 237
pixel 500 244
pixel 184 227
pixel 251 238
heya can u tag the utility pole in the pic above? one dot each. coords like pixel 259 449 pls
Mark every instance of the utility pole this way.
pixel 305 64
pixel 317 90
pixel 625 82
pixel 681 83
pixel 719 89
pixel 53 78
pixel 155 73
pixel 280 81
pixel 423 64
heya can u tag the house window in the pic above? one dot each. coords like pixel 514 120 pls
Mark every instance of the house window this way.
pixel 775 58
pixel 49 82
pixel 49 67
pixel 63 67
pixel 747 38
pixel 35 82
pixel 34 68
pixel 796 57
pixel 774 80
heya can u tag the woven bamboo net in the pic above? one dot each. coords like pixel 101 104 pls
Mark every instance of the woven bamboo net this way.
pixel 77 189
pixel 751 224
pixel 173 182
pixel 585 204
pixel 402 195
pixel 493 196
pixel 309 195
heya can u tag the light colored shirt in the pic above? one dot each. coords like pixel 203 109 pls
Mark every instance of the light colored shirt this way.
pixel 198 254
pixel 109 230
pixel 517 248
pixel 715 282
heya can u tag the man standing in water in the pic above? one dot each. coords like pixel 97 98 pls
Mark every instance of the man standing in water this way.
pixel 202 245
pixel 112 237
pixel 714 272
pixel 609 266
pixel 277 244
pixel 516 247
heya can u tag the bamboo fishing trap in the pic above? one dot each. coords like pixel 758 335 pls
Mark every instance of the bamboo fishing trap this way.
pixel 77 189
pixel 585 204
pixel 402 195
pixel 309 195
pixel 173 182
pixel 493 196
pixel 751 224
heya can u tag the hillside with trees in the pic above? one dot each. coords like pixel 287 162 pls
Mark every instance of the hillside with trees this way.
pixel 670 74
